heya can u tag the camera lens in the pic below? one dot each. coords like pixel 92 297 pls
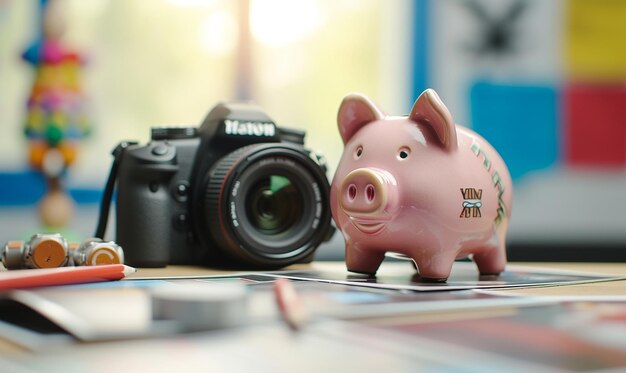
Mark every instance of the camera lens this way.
pixel 273 205
pixel 267 204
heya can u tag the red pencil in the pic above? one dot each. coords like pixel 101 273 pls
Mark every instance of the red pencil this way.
pixel 28 278
pixel 289 304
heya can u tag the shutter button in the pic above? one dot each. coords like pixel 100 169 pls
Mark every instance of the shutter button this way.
pixel 159 150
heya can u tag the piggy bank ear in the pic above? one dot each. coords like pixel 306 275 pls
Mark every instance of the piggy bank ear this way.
pixel 356 111
pixel 430 110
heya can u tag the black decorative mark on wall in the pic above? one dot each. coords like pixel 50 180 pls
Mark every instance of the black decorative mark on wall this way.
pixel 498 35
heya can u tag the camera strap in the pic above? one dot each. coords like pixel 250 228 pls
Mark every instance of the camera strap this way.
pixel 107 196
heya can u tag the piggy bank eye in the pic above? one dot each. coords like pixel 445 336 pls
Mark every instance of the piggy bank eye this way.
pixel 358 152
pixel 403 153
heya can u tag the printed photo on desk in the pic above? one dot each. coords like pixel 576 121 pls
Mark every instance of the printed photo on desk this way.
pixel 464 275
pixel 568 336
pixel 122 310
pixel 115 310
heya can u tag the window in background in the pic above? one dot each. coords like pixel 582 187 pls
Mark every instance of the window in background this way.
pixel 307 55
pixel 167 62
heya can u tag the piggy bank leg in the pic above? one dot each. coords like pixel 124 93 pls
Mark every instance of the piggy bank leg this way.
pixel 435 268
pixel 491 261
pixel 361 260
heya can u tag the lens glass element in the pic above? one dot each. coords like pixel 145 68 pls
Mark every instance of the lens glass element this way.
pixel 274 204
pixel 267 204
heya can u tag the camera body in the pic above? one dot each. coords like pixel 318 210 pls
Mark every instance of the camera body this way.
pixel 238 191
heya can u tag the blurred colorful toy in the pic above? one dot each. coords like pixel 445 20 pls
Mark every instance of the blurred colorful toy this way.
pixel 419 186
pixel 56 117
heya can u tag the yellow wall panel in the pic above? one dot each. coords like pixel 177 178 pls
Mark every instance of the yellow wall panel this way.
pixel 595 39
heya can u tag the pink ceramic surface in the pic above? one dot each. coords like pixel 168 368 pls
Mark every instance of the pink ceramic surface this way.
pixel 419 186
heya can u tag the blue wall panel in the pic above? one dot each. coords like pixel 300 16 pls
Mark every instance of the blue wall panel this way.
pixel 521 122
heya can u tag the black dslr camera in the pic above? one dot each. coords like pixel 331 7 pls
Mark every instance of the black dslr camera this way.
pixel 238 191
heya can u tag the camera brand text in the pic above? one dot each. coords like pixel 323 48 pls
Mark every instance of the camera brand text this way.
pixel 235 127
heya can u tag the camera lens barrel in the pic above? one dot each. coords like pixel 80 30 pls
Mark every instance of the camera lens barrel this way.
pixel 266 204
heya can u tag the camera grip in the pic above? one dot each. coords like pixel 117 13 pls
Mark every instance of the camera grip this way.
pixel 143 219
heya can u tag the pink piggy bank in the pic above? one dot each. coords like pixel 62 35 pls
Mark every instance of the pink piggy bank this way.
pixel 419 186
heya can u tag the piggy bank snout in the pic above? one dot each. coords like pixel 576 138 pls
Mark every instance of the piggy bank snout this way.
pixel 363 192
